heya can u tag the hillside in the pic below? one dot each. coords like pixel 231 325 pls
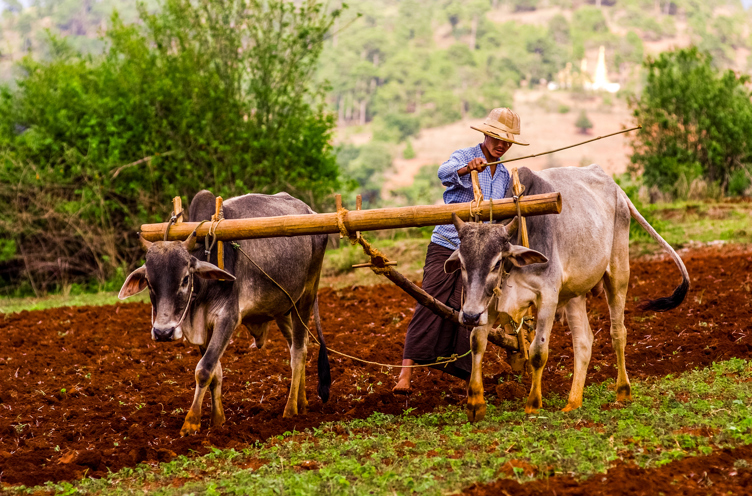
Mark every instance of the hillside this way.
pixel 408 74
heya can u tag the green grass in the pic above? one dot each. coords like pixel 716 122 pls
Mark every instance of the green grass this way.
pixel 409 253
pixel 685 223
pixel 441 452
pixel 10 305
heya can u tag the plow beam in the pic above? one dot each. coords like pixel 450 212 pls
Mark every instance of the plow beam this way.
pixel 357 220
pixel 497 335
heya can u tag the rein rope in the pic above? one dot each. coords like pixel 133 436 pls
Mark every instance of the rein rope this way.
pixel 440 361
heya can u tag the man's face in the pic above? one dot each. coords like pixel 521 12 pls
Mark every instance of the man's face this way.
pixel 496 147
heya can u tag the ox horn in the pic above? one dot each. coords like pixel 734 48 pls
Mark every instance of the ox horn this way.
pixel 190 242
pixel 511 228
pixel 144 243
pixel 458 223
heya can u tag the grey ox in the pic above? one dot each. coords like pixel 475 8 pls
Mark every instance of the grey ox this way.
pixel 194 299
pixel 584 248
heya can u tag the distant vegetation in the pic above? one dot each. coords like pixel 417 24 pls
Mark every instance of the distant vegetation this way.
pixel 103 119
pixel 198 95
pixel 696 126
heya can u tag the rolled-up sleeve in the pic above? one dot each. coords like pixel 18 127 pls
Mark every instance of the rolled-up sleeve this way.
pixel 448 171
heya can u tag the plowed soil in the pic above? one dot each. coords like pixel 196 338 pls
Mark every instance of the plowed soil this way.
pixel 84 390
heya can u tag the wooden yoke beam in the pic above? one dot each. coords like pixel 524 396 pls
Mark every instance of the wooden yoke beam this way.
pixel 359 220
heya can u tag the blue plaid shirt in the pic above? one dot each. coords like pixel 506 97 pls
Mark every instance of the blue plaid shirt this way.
pixel 460 189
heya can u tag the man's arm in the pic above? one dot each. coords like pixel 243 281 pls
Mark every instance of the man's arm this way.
pixel 454 171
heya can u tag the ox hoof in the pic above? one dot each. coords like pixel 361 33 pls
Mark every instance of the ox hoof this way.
pixel 533 404
pixel 476 413
pixel 571 406
pixel 218 420
pixel 624 394
pixel 190 428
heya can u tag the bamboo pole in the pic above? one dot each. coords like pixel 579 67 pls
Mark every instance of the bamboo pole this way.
pixel 497 335
pixel 564 147
pixel 359 220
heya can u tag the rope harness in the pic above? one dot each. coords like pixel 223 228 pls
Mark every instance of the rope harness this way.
pixel 439 361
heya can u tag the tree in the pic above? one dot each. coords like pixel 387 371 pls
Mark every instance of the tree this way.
pixel 696 121
pixel 583 123
pixel 200 94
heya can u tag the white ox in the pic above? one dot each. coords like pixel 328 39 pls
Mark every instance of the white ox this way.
pixel 571 253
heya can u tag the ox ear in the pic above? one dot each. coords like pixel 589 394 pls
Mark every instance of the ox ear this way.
pixel 521 256
pixel 453 263
pixel 458 223
pixel 134 283
pixel 205 270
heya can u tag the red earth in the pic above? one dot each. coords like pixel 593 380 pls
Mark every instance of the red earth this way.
pixel 84 390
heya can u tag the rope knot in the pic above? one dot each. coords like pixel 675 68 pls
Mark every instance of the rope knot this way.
pixel 343 232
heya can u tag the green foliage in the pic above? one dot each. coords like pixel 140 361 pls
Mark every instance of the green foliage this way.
pixel 425 190
pixel 408 153
pixel 199 95
pixel 630 50
pixel 583 123
pixel 695 121
pixel 740 181
pixel 590 28
pixel 402 125
pixel 366 166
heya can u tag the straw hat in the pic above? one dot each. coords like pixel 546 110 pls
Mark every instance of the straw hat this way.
pixel 503 124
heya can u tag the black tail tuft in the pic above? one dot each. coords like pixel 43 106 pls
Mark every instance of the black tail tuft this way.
pixel 325 374
pixel 667 302
pixel 324 370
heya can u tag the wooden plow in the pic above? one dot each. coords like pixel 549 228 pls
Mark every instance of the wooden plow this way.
pixel 350 224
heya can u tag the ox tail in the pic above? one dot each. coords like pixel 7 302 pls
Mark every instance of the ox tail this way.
pixel 324 371
pixel 667 302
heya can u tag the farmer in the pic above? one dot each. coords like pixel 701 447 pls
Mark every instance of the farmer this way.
pixel 428 335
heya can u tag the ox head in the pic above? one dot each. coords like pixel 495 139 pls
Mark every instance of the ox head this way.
pixel 483 250
pixel 169 273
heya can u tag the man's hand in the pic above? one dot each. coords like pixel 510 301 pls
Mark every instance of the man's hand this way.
pixel 477 164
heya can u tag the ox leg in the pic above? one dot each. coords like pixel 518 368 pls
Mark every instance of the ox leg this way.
pixel 296 337
pixel 206 372
pixel 476 404
pixel 259 332
pixel 539 354
pixel 616 292
pixel 218 412
pixel 582 342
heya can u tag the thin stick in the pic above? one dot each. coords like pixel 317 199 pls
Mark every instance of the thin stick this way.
pixel 560 149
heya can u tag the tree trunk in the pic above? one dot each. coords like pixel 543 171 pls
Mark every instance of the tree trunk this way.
pixel 363 111
pixel 341 111
pixel 474 32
